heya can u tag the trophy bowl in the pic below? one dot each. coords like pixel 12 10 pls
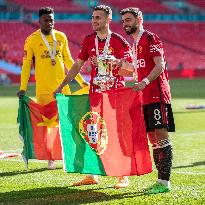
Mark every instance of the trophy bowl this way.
pixel 104 78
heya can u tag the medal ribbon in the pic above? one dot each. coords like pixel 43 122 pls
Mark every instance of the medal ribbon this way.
pixel 107 43
pixel 134 48
pixel 52 53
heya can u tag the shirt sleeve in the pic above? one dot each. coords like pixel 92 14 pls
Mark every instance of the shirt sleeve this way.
pixel 155 46
pixel 68 60
pixel 84 55
pixel 26 67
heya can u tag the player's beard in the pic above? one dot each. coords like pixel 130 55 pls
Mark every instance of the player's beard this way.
pixel 132 30
pixel 97 28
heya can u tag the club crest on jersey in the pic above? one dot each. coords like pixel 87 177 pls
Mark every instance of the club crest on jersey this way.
pixel 140 49
pixel 92 128
pixel 110 50
pixel 59 43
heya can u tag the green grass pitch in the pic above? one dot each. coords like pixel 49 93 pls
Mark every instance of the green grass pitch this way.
pixel 38 185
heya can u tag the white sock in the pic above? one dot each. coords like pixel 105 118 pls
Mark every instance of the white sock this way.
pixel 165 182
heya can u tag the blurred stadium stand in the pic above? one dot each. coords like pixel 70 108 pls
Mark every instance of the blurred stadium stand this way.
pixel 179 24
pixel 199 3
pixel 59 5
pixel 148 6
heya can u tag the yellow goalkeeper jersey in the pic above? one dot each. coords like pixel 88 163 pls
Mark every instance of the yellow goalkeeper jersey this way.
pixel 48 77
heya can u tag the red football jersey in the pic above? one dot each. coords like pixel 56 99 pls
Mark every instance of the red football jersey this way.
pixel 118 47
pixel 148 47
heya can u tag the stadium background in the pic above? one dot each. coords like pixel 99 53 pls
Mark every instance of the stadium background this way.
pixel 180 25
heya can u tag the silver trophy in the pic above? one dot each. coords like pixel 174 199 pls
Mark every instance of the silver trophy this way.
pixel 105 79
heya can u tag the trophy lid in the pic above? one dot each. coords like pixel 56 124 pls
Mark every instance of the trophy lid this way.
pixel 107 57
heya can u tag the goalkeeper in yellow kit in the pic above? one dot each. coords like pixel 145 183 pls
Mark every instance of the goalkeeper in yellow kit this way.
pixel 48 50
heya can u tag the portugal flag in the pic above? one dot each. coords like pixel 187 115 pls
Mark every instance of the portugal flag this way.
pixel 38 127
pixel 104 133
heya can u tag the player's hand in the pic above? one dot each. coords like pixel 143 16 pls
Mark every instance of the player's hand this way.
pixel 126 68
pixel 21 93
pixel 84 84
pixel 58 90
pixel 139 86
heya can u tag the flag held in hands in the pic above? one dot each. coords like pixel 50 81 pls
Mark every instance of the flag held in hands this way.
pixel 38 127
pixel 104 133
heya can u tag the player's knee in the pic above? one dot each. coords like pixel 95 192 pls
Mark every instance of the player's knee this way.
pixel 161 134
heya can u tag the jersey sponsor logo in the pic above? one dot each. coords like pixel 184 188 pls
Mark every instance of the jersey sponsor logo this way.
pixel 155 48
pixel 46 54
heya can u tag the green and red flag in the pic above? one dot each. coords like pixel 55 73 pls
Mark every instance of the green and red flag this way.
pixel 104 133
pixel 38 127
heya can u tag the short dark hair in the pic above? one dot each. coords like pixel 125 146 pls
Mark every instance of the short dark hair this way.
pixel 106 9
pixel 45 10
pixel 134 11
